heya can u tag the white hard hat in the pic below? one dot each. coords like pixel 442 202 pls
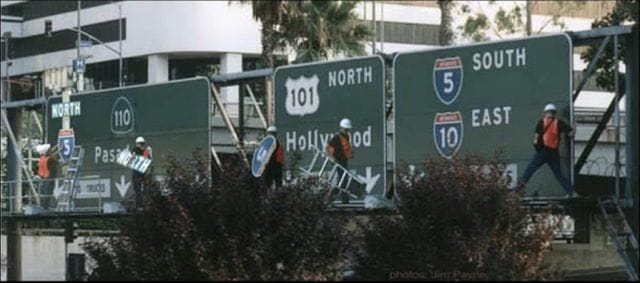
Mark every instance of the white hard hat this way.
pixel 140 140
pixel 272 129
pixel 345 123
pixel 550 107
pixel 43 148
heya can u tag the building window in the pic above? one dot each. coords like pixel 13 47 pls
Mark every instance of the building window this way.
pixel 419 3
pixel 420 34
pixel 104 75
pixel 39 9
pixel 586 9
pixel 64 39
pixel 191 67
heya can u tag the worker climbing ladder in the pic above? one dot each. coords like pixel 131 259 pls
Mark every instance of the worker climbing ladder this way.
pixel 67 192
pixel 332 174
pixel 621 233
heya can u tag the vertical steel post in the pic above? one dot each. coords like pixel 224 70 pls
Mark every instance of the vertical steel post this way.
pixel 241 114
pixel 375 35
pixel 80 82
pixel 617 115
pixel 120 45
pixel 14 250
pixel 632 189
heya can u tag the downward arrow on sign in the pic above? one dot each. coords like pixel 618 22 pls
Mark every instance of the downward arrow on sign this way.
pixel 123 186
pixel 370 180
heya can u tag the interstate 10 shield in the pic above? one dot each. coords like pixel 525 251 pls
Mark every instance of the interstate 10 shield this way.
pixel 447 132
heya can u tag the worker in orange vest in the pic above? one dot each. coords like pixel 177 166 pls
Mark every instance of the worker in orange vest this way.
pixel 48 171
pixel 546 141
pixel 339 148
pixel 136 178
pixel 273 171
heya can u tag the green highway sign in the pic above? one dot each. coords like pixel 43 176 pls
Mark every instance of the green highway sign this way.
pixel 173 117
pixel 477 98
pixel 310 101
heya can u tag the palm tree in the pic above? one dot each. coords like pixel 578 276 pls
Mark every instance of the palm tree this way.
pixel 314 29
pixel 324 29
pixel 445 36
pixel 272 14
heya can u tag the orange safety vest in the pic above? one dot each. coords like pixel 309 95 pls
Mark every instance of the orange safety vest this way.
pixel 551 136
pixel 346 147
pixel 279 154
pixel 344 143
pixel 146 153
pixel 43 167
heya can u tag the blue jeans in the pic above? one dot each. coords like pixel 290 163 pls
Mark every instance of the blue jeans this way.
pixel 551 157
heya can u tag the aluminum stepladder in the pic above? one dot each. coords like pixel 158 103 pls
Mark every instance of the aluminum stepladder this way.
pixel 68 191
pixel 337 178
pixel 626 243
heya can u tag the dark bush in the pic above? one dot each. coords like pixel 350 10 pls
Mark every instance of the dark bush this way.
pixel 457 222
pixel 231 229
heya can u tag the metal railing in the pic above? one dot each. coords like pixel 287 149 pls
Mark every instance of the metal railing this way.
pixel 47 189
pixel 252 109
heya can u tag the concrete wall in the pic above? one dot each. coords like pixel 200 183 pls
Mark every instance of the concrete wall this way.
pixel 43 257
pixel 598 253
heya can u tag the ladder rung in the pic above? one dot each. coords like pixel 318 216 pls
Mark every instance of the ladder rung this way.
pixel 349 181
pixel 333 170
pixel 313 161
pixel 342 179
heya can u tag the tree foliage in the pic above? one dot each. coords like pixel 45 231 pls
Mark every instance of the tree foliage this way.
pixel 324 29
pixel 232 230
pixel 445 33
pixel 315 30
pixel 273 15
pixel 623 11
pixel 457 222
pixel 511 21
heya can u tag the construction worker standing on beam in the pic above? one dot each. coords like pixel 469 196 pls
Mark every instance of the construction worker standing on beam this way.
pixel 137 177
pixel 339 148
pixel 47 171
pixel 546 141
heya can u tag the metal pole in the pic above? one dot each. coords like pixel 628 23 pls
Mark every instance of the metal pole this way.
pixel 120 45
pixel 632 43
pixel 617 114
pixel 375 35
pixel 7 65
pixel 14 250
pixel 80 83
pixel 14 233
pixel 241 115
pixel 270 108
pixel 382 28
